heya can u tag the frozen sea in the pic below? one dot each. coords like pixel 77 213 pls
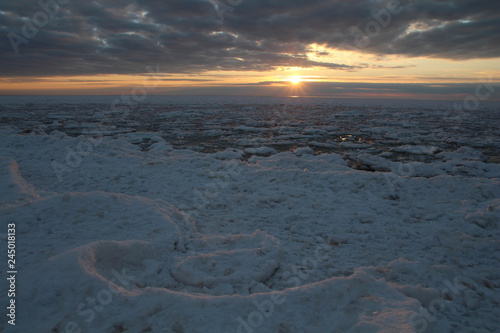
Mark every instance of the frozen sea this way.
pixel 250 214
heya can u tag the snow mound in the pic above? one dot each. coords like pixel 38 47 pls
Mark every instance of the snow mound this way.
pixel 14 187
pixel 158 263
pixel 160 148
pixel 233 266
pixel 77 218
pixel 97 277
pixel 375 163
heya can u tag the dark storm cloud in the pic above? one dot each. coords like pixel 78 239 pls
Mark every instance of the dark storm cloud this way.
pixel 188 36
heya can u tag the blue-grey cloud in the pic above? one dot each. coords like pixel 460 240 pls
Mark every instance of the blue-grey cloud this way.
pixel 188 36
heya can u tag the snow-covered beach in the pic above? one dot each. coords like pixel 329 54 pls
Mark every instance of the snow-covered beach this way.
pixel 271 216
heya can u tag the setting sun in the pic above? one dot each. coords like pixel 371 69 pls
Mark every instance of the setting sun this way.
pixel 295 80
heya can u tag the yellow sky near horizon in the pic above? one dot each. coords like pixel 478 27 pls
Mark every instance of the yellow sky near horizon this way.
pixel 369 69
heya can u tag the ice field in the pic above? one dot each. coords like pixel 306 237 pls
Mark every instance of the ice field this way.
pixel 251 215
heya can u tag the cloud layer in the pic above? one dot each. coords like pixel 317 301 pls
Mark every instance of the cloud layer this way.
pixel 193 36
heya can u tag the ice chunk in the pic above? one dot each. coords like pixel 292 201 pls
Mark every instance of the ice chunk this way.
pixel 262 151
pixel 303 151
pixel 417 150
pixel 229 154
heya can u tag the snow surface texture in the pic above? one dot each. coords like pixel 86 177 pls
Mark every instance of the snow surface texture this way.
pixel 249 239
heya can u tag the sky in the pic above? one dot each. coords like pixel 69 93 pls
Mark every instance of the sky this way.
pixel 409 49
